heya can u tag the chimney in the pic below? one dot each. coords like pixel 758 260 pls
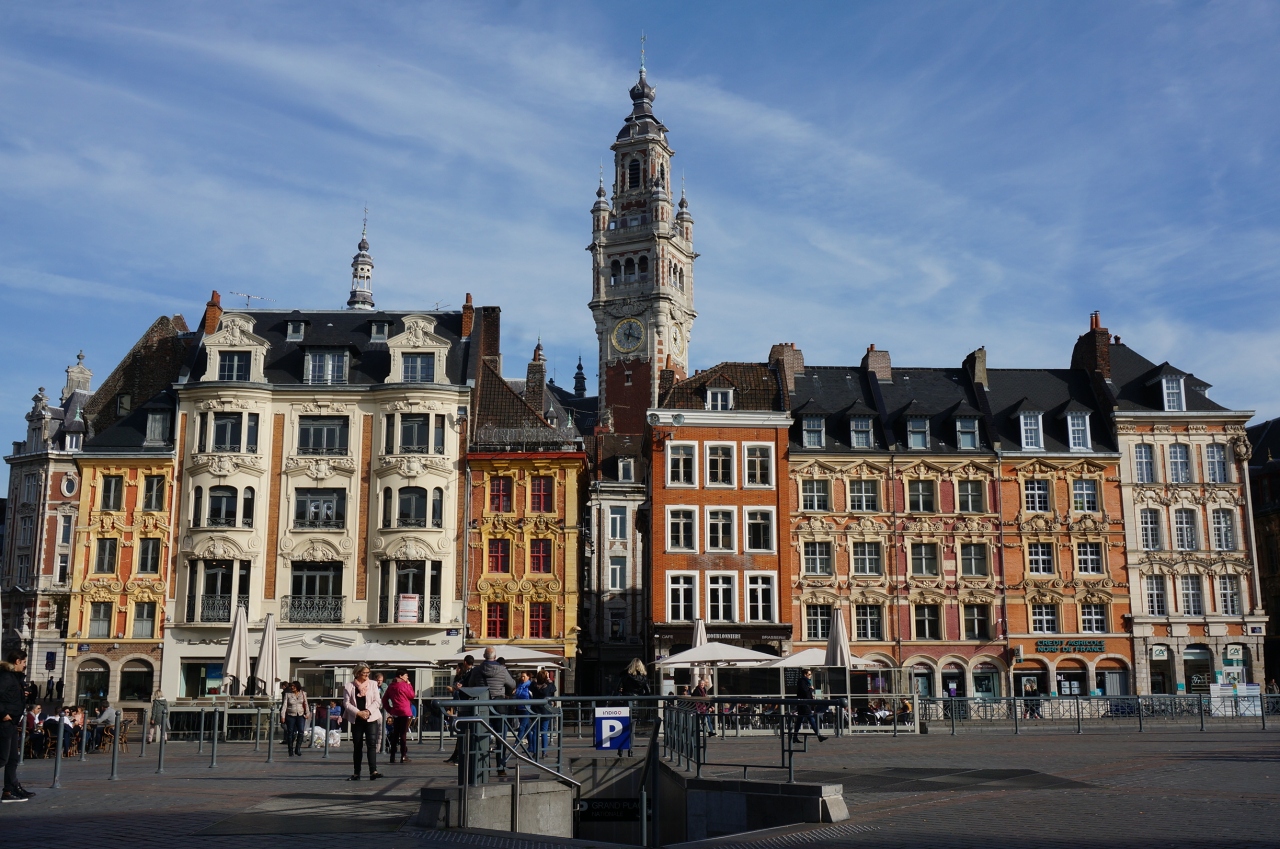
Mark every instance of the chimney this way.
pixel 666 380
pixel 490 332
pixel 1093 349
pixel 212 314
pixel 535 382
pixel 468 317
pixel 789 360
pixel 976 365
pixel 878 363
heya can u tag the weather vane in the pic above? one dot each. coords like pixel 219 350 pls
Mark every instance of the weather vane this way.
pixel 642 41
pixel 364 228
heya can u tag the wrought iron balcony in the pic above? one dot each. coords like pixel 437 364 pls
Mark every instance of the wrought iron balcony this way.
pixel 222 522
pixel 404 522
pixel 217 608
pixel 323 452
pixel 307 524
pixel 312 608
pixel 430 612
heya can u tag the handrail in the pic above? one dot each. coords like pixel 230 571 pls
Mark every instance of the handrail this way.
pixel 515 788
pixel 501 739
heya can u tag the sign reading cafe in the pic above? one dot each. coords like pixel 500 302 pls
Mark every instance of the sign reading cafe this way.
pixel 1055 646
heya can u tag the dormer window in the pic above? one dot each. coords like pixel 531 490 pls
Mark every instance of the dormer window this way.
pixel 326 367
pixel 157 428
pixel 860 433
pixel 918 434
pixel 719 399
pixel 72 441
pixel 378 332
pixel 967 434
pixel 296 329
pixel 814 432
pixel 419 368
pixel 233 365
pixel 1032 432
pixel 1173 397
pixel 626 470
pixel 1078 430
pixel 124 403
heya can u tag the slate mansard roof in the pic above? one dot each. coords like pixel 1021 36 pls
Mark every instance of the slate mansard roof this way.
pixel 1135 380
pixel 129 434
pixel 755 386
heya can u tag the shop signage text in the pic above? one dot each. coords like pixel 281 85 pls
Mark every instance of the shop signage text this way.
pixel 1055 646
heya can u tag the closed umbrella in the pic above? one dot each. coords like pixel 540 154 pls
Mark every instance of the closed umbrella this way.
pixel 838 653
pixel 699 639
pixel 236 663
pixel 268 671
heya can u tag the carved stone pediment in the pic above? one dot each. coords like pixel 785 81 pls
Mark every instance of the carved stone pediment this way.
pixel 320 468
pixel 413 465
pixel 1039 523
pixel 316 550
pixel 924 526
pixel 213 547
pixel 221 465
pixel 409 548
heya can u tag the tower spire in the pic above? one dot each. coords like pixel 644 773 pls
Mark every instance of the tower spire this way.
pixel 362 271
pixel 643 39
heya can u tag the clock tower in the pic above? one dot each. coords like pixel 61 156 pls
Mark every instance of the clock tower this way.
pixel 642 269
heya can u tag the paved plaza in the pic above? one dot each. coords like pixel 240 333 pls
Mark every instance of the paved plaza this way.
pixel 1172 789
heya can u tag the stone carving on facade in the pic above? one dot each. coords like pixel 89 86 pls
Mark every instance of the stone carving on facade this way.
pixel 413 465
pixel 1241 448
pixel 1091 524
pixel 1037 523
pixel 102 523
pixel 316 550
pixel 322 407
pixel 971 525
pixel 216 548
pixel 151 523
pixel 222 465
pixel 924 526
pixel 320 468
pixel 216 405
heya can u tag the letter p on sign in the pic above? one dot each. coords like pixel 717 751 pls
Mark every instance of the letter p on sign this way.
pixel 613 728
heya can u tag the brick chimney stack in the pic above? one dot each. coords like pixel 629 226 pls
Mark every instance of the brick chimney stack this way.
pixel 1093 349
pixel 212 314
pixel 468 317
pixel 789 361
pixel 976 365
pixel 535 382
pixel 879 364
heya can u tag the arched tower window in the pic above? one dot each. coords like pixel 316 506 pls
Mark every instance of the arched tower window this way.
pixel 246 519
pixel 629 270
pixel 437 508
pixel 615 272
pixel 662 176
pixel 644 265
pixel 633 174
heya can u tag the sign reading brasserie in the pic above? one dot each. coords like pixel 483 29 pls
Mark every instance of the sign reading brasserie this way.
pixel 1055 646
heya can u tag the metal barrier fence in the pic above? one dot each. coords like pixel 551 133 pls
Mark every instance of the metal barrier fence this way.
pixel 1078 714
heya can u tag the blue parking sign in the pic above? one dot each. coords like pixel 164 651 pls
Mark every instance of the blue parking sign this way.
pixel 613 728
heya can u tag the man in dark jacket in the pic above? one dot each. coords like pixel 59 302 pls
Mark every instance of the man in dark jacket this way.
pixel 804 692
pixel 494 676
pixel 12 706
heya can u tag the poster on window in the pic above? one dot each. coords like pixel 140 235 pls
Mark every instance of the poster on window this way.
pixel 407 607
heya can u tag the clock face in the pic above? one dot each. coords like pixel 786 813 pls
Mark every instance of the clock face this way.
pixel 677 339
pixel 628 335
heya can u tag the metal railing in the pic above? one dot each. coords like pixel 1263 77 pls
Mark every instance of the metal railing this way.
pixel 1078 714
pixel 312 608
pixel 215 608
pixel 470 742
pixel 323 524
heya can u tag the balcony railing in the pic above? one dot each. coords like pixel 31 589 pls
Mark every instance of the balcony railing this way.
pixel 217 608
pixel 428 613
pixel 312 608
pixel 403 522
pixel 332 524
pixel 221 522
pixel 324 452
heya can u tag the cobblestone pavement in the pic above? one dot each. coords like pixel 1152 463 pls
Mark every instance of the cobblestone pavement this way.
pixel 1167 790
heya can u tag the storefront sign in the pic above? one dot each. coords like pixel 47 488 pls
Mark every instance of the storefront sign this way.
pixel 609 810
pixel 407 609
pixel 1159 652
pixel 1055 646
pixel 1234 652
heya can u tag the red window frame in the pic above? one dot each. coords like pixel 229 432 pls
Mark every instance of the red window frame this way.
pixel 540 556
pixel 542 495
pixel 540 620
pixel 496 621
pixel 500 494
pixel 499 555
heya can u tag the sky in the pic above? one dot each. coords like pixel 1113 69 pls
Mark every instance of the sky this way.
pixel 928 177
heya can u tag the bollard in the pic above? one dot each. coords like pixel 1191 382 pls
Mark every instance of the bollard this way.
pixel 515 800
pixel 1200 702
pixel 326 736
pixel 200 739
pixel 1015 715
pixel 142 744
pixel 1138 701
pixel 22 736
pixel 57 758
pixel 115 749
pixel 84 740
pixel 257 729
pixel 160 764
pixel 952 705
pixel 213 741
pixel 1262 702
pixel 1079 728
pixel 271 739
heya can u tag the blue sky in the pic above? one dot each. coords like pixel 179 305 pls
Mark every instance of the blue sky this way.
pixel 929 177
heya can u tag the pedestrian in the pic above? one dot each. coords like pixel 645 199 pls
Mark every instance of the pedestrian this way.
pixel 1272 689
pixel 294 711
pixel 460 675
pixel 362 708
pixel 36 740
pixel 807 716
pixel 381 730
pixel 399 703
pixel 104 720
pixel 634 681
pixel 522 691
pixel 543 688
pixel 12 673
pixel 48 689
pixel 58 689
pixel 159 717
pixel 493 675
pixel 702 691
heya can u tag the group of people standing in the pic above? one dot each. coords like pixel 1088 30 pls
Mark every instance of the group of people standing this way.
pixel 530 725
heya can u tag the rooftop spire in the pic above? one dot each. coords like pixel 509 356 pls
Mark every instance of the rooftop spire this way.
pixel 362 271
pixel 643 39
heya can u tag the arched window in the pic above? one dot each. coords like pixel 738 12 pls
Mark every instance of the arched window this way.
pixel 629 270
pixel 413 507
pixel 137 681
pixel 633 173
pixel 246 517
pixel 92 680
pixel 662 175
pixel 644 265
pixel 615 272
pixel 386 507
pixel 437 508
pixel 222 507
pixel 197 507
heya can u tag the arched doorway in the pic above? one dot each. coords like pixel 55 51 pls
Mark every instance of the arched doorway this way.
pixel 137 681
pixel 1070 678
pixel 1030 680
pixel 922 679
pixel 93 679
pixel 1162 680
pixel 1111 677
pixel 953 680
pixel 986 680
pixel 1197 667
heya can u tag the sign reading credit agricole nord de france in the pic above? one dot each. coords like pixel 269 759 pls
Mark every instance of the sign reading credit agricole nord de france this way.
pixel 1055 646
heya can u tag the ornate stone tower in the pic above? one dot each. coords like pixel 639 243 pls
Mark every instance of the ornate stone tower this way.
pixel 361 275
pixel 642 268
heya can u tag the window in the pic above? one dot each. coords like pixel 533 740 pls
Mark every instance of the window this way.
pixel 1157 600
pixel 540 620
pixel 626 470
pixel 719 399
pixel 157 429
pixel 197 507
pixel 1173 394
pixel 720 465
pixel 617 573
pixel 319 508
pixel 246 508
pixel 106 560
pixel 1224 532
pixel 30 488
pixel 1093 618
pixel 866 558
pixel 1215 463
pixel 499 555
pixel 1228 595
pixel 617 523
pixel 64 568
pixel 378 331
pixel 920 496
pixel 64 531
pixel 149 556
pixel 1192 595
pixel 863 496
pixel 496 623
pixel 233 365
pixel 415 434
pixel 1089 558
pixel 322 435
pixel 418 368
pixel 1149 529
pixel 814 432
pixel 1036 495
pixel 860 433
pixel 412 511
pixel 760 598
pixel 817 622
pixel 72 441
pixel 437 508
pixel 680 598
pixel 295 331
pixel 1179 464
pixel 759 530
pixel 222 506
pixel 721 599
pixel 617 624
pixel 226 431
pixel 112 491
pixel 815 495
pixel 327 367
pixel 928 622
pixel 868 622
pixel 1031 436
pixel 1144 464
pixel 1040 558
pixel 720 530
pixel 759 465
pixel 26 530
pixel 680 465
pixel 202 432
pixel 966 434
pixel 124 403
pixel 973 559
pixel 1044 619
pixel 500 494
pixel 1184 530
pixel 924 558
pixel 1084 496
pixel 1078 431
pixel 918 434
pixel 633 174
pixel 969 496
pixel 817 558
pixel 542 494
pixel 153 492
pixel 144 620
pixel 680 530
pixel 100 620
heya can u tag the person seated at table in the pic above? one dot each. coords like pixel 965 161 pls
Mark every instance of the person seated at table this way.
pixel 880 711
pixel 904 711
pixel 36 739
pixel 105 719
pixel 335 715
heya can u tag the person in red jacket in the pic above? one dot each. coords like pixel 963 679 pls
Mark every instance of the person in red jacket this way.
pixel 399 703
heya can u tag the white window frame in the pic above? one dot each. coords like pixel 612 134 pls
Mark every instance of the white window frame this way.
pixel 917 426
pixel 857 432
pixel 690 582
pixel 1031 424
pixel 1184 466
pixel 1156 590
pixel 1082 490
pixel 854 557
pixel 1026 495
pixel 1173 391
pixel 1185 532
pixel 1224 529
pixel 804 612
pixel 611 584
pixel 810 425
pixel 1150 534
pixel 1082 566
pixel 733 597
pixel 1034 568
pixel 693 548
pixel 756 580
pixel 1213 466
pixel 1093 618
pixel 804 557
pixel 874 495
pixel 1144 468
pixel 773 528
pixel 879 608
pixel 1229 595
pixel 732 466
pixel 1191 588
pixel 329 358
pixel 967 426
pixel 626 470
pixel 829 495
pixel 719 400
pixel 1078 436
pixel 748 460
pixel 693 459
pixel 732 536
pixel 1042 615
pixel 617 530
pixel 418 377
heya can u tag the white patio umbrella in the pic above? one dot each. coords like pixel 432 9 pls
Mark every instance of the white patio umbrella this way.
pixel 370 653
pixel 812 659
pixel 236 663
pixel 838 653
pixel 717 654
pixel 699 639
pixel 268 669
